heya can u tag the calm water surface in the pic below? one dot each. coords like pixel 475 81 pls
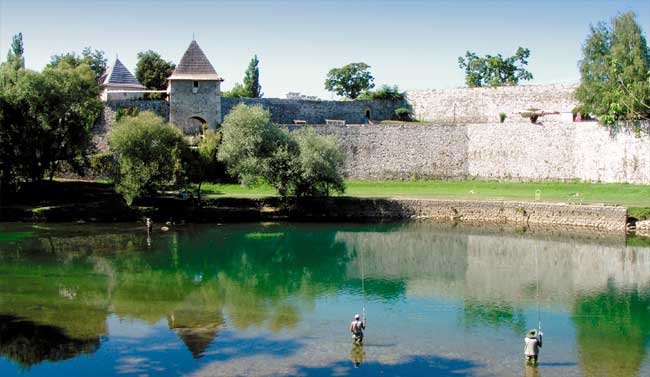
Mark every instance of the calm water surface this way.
pixel 276 299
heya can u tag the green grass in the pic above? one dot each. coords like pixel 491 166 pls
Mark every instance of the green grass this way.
pixel 569 192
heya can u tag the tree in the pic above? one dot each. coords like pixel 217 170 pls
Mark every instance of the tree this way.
pixel 615 71
pixel 495 70
pixel 202 163
pixel 385 92
pixel 148 153
pixel 301 164
pixel 94 59
pixel 321 164
pixel 152 71
pixel 350 80
pixel 252 79
pixel 15 55
pixel 47 119
pixel 237 91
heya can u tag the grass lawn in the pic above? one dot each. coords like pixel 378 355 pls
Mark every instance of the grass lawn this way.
pixel 570 192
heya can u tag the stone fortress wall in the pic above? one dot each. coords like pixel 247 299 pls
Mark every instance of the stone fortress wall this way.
pixel 483 105
pixel 285 111
pixel 510 151
pixel 464 139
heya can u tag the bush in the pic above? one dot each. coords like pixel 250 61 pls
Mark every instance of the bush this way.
pixel 103 165
pixel 294 164
pixel 533 117
pixel 502 117
pixel 403 114
pixel 126 111
pixel 321 164
pixel 148 153
pixel 385 92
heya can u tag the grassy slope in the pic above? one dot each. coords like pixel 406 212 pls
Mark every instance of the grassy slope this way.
pixel 621 194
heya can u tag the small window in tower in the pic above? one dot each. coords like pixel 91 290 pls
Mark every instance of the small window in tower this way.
pixel 195 87
pixel 196 84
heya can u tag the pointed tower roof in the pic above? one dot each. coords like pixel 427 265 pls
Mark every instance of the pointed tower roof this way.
pixel 119 75
pixel 194 65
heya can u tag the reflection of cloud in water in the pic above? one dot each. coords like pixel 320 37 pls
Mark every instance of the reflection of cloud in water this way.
pixel 140 365
pixel 129 328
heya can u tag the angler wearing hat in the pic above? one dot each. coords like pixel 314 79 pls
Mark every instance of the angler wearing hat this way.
pixel 357 327
pixel 532 344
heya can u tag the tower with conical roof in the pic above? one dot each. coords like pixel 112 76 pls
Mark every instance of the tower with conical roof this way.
pixel 119 84
pixel 194 93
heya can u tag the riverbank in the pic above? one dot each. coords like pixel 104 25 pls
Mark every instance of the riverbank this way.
pixel 96 202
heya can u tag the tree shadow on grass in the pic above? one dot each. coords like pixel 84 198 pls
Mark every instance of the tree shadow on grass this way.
pixel 429 365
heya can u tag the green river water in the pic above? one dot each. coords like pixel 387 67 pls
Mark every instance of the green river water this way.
pixel 277 299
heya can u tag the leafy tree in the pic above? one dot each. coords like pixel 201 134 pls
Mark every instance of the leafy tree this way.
pixel 495 70
pixel 15 55
pixel 350 80
pixel 149 155
pixel 202 163
pixel 152 71
pixel 237 91
pixel 301 164
pixel 252 79
pixel 47 119
pixel 615 71
pixel 94 59
pixel 385 92
pixel 321 164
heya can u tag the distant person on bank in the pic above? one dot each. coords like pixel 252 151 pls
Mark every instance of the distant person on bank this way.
pixel 356 328
pixel 532 344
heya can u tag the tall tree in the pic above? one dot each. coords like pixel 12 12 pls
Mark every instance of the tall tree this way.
pixel 47 118
pixel 495 70
pixel 252 79
pixel 615 71
pixel 152 71
pixel 95 59
pixel 350 80
pixel 15 55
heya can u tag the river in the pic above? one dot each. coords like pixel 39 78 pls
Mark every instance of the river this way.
pixel 277 298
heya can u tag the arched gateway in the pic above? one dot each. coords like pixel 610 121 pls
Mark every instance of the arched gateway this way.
pixel 194 93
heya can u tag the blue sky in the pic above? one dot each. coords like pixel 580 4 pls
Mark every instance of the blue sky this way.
pixel 414 44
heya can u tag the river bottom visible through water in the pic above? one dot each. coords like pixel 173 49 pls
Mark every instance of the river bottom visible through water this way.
pixel 277 299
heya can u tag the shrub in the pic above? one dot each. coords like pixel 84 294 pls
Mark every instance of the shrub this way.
pixel 321 164
pixel 530 114
pixel 502 117
pixel 126 111
pixel 148 153
pixel 403 113
pixel 103 164
pixel 294 164
pixel 385 92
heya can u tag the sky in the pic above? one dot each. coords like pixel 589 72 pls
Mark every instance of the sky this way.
pixel 413 44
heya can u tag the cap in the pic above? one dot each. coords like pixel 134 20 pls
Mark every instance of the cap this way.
pixel 356 316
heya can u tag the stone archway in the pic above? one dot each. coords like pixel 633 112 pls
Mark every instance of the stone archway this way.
pixel 196 126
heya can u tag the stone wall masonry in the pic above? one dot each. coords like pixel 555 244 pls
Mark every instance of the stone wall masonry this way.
pixel 285 111
pixel 607 218
pixel 513 151
pixel 107 118
pixel 483 105
pixel 401 151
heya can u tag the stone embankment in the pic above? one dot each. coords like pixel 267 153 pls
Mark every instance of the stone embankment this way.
pixel 95 202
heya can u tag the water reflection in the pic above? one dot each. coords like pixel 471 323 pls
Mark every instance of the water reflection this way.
pixel 59 286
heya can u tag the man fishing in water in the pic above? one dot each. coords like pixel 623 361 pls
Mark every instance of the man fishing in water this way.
pixel 356 328
pixel 532 344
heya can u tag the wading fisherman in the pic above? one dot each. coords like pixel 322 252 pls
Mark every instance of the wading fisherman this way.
pixel 356 328
pixel 532 344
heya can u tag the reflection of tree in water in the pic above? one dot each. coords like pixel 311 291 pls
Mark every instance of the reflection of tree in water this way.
pixel 28 343
pixel 493 314
pixel 612 331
